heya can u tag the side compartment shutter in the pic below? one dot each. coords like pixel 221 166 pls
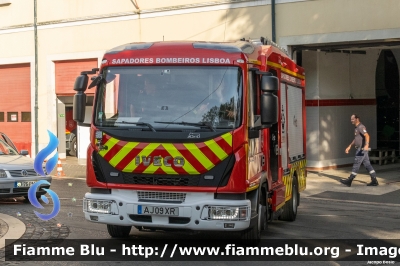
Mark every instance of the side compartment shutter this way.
pixel 295 123
pixel 283 127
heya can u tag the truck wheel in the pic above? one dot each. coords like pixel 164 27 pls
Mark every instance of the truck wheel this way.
pixel 252 235
pixel 74 147
pixel 290 207
pixel 118 230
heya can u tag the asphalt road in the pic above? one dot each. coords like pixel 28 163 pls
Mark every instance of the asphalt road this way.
pixel 327 210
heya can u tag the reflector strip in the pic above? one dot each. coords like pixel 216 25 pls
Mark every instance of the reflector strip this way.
pixel 199 155
pixel 166 158
pixel 123 152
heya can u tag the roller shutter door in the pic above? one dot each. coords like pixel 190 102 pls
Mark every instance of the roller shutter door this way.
pixel 15 104
pixel 66 73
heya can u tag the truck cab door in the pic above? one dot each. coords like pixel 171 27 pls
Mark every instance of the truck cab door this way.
pixel 274 151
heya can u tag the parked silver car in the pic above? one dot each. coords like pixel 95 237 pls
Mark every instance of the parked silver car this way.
pixel 16 171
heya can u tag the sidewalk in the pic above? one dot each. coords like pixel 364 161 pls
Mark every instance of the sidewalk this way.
pixel 72 167
pixel 321 185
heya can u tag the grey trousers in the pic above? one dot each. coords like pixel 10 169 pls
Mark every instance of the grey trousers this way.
pixel 362 158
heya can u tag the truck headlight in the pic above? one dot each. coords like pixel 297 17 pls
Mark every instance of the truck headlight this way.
pixel 232 213
pixel 97 206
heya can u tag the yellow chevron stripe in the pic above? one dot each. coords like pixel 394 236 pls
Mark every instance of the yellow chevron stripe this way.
pixel 145 152
pixel 122 153
pixel 228 138
pixel 171 149
pixel 285 70
pixel 255 62
pixel 193 149
pixel 216 149
pixel 152 168
pixel 110 143
pixel 175 153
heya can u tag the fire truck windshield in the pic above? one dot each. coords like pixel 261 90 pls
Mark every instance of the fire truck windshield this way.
pixel 162 97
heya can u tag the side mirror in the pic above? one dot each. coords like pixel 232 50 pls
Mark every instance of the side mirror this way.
pixel 24 152
pixel 79 107
pixel 269 83
pixel 81 83
pixel 269 101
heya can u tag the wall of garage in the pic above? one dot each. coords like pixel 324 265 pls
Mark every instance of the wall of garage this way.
pixel 15 104
pixel 338 85
pixel 65 72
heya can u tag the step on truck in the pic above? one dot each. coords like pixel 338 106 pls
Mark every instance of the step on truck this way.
pixel 194 135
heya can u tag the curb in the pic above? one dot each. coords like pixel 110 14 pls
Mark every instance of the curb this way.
pixel 16 229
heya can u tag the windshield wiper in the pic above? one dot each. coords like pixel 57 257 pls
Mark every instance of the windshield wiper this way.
pixel 200 124
pixel 139 124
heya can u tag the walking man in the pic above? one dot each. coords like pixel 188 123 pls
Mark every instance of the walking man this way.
pixel 361 142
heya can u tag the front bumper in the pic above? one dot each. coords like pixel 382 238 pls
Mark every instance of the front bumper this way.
pixel 194 210
pixel 8 187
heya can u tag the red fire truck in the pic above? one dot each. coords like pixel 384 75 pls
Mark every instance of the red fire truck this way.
pixel 194 135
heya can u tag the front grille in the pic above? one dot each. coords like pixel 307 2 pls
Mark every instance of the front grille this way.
pixel 141 218
pixel 5 190
pixel 161 196
pixel 21 190
pixel 161 180
pixel 25 189
pixel 178 220
pixel 96 168
pixel 18 173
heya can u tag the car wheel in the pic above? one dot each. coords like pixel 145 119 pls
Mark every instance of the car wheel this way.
pixel 74 147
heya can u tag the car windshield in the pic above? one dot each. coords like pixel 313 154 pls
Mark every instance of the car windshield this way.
pixel 160 98
pixel 6 149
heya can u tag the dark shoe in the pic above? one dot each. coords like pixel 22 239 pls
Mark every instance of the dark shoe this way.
pixel 346 181
pixel 374 183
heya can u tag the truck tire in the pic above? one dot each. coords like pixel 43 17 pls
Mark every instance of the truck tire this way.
pixel 290 208
pixel 252 235
pixel 118 231
pixel 73 147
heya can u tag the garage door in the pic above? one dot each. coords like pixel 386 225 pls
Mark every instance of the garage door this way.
pixel 15 104
pixel 66 73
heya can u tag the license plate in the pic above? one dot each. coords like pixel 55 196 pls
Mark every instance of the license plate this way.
pixel 152 210
pixel 24 183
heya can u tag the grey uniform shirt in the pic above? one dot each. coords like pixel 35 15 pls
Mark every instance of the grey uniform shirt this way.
pixel 359 139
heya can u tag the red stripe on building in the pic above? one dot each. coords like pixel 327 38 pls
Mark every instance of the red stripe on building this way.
pixel 340 102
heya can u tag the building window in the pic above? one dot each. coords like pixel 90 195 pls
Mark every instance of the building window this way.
pixel 12 116
pixel 25 116
pixel 1 116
